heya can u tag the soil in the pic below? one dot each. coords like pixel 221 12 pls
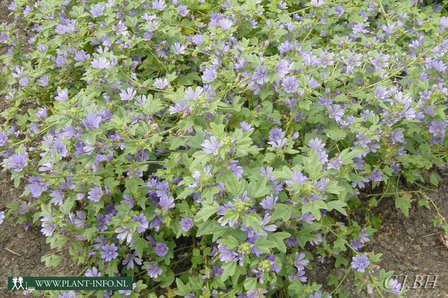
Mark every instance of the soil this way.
pixel 21 249
pixel 411 246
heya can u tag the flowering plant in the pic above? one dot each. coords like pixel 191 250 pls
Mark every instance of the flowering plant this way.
pixel 216 148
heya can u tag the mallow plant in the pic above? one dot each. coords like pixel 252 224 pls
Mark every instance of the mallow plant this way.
pixel 221 148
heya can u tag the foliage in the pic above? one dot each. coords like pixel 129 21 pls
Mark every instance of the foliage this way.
pixel 212 148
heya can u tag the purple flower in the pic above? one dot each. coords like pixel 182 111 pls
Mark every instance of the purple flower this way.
pixel 268 202
pixel 3 138
pixel 335 163
pixel 237 170
pixel 92 273
pixel 193 95
pixel 225 24
pixel 109 252
pixel 212 145
pixel 166 202
pixel 260 75
pixel 182 10
pixel 317 3
pixel 143 221
pixel 42 113
pixel 340 10
pixel 92 121
pixel 209 75
pixel 153 270
pixel 156 223
pixel 316 144
pixel 95 194
pixel 161 249
pixel 394 287
pixel 17 161
pixel 313 83
pixel 97 10
pixel 161 83
pixel 299 261
pixel 290 84
pixel 47 225
pixel 24 81
pixel 356 244
pixel 159 5
pixel 246 126
pixel 58 197
pixel 186 224
pixel 43 81
pixel 363 236
pixel 2 217
pixel 124 233
pixel 285 47
pixel 128 94
pixel 131 259
pixel 376 176
pixel 438 129
pixel 81 56
pixel 226 255
pixel 178 48
pixel 62 96
pixel 102 222
pixel 282 68
pixel 297 177
pixel 360 263
pixel 37 186
pixel 101 63
pixel 197 39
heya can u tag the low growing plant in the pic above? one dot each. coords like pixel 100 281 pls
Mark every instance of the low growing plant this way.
pixel 221 148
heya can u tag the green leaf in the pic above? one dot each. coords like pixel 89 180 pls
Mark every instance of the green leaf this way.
pixel 253 220
pixel 284 174
pixel 209 227
pixel 333 280
pixel 132 184
pixel 57 241
pixel 231 183
pixel 435 179
pixel 339 244
pixel 340 260
pixel 182 289
pixel 313 166
pixel 296 289
pixel 282 211
pixel 314 208
pixel 68 205
pixel 258 189
pixel 207 210
pixel 306 234
pixel 264 244
pixel 278 238
pixel 140 246
pixel 51 260
pixel 333 187
pixel 250 284
pixel 168 278
pixel 229 270
pixel 230 242
pixel 230 215
pixel 338 205
pixel 403 204
pixel 347 156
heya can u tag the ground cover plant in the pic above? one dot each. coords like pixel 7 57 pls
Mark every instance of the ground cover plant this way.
pixel 216 148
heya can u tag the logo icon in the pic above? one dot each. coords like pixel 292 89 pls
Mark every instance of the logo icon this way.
pixel 16 280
